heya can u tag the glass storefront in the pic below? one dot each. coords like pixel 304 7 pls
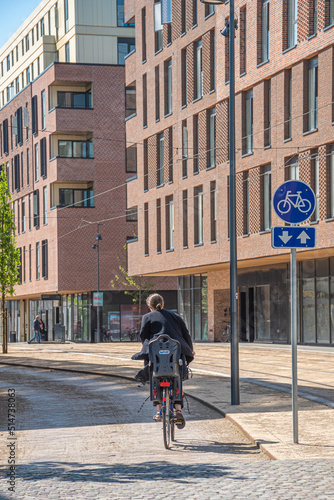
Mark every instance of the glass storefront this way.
pixel 193 304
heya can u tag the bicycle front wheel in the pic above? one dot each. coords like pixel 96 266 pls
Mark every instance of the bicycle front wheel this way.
pixel 166 418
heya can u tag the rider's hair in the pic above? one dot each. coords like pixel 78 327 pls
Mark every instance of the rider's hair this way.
pixel 155 301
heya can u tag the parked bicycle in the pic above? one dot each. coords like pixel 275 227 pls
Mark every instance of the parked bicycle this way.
pixel 166 381
pixel 132 334
pixel 224 334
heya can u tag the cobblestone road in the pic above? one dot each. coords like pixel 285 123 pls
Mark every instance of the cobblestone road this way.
pixel 82 437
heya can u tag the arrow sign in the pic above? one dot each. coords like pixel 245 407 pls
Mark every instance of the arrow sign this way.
pixel 293 237
pixel 285 237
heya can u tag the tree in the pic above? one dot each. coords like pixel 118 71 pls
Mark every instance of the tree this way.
pixel 139 287
pixel 9 254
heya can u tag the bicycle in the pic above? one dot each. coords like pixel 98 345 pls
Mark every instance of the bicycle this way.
pixel 166 381
pixel 303 205
pixel 224 334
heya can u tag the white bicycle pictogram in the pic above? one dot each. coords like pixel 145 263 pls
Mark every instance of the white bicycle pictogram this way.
pixel 295 201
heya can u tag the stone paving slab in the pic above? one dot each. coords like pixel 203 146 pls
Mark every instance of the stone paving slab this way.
pixel 264 414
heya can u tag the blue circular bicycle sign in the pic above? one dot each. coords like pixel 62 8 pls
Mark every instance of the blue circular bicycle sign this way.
pixel 294 201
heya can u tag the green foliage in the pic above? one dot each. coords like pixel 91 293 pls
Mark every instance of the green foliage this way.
pixel 9 254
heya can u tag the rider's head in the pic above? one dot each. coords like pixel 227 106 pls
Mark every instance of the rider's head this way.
pixel 155 302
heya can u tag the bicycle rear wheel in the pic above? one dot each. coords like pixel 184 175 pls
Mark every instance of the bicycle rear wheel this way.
pixel 223 335
pixel 166 418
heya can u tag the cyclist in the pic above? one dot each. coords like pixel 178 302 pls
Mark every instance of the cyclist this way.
pixel 157 322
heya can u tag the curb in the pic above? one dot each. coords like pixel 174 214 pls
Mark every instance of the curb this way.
pixel 255 442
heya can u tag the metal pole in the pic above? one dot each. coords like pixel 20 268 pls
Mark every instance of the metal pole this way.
pixel 235 391
pixel 293 282
pixel 98 283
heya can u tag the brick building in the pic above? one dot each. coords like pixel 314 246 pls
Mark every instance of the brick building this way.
pixel 284 130
pixel 63 145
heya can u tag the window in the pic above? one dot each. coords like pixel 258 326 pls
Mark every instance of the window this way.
pixel 194 5
pixel 23 215
pixel 170 154
pixel 22 47
pixel 242 46
pixel 17 53
pixel 315 182
pixel 45 205
pixel 195 145
pixel 209 9
pixel 169 223
pixel 183 77
pixel 22 171
pixel 157 27
pixel 292 23
pixel 146 229
pixel 43 156
pixel 145 100
pixel 36 163
pixel 49 22
pixel 76 198
pixel 158 225
pixel 132 214
pixel 37 31
pixel 42 27
pixel 67 27
pixel 130 100
pixel 168 87
pixel 330 8
pixel 312 94
pixel 183 16
pixel 29 262
pixel 20 267
pixel 267 113
pixel 78 100
pixel 157 93
pixel 288 104
pixel 314 19
pixel 293 168
pixel 8 63
pixel 17 172
pixel 124 47
pixel 28 173
pixel 266 197
pixel 67 52
pixel 185 217
pixel 36 208
pixel 29 211
pixel 45 259
pixel 43 110
pixel 75 149
pixel 212 60
pixel 198 70
pixel 145 165
pixel 184 148
pixel 160 162
pixel 34 115
pixel 17 85
pixel 247 139
pixel 5 136
pixel 38 262
pixel 331 182
pixel 245 189
pixel 26 120
pixel 24 264
pixel 265 31
pixel 27 43
pixel 198 216
pixel 38 66
pixel 32 37
pixel 143 33
pixel 19 128
pixel 213 211
pixel 211 137
pixel 120 14
pixel 131 159
pixel 56 21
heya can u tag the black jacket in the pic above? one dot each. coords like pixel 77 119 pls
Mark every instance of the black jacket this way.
pixel 37 326
pixel 159 322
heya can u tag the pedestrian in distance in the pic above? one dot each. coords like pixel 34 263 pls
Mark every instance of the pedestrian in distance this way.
pixel 37 331
pixel 42 328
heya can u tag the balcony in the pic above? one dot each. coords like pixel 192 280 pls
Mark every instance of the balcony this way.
pixel 71 169
pixel 70 119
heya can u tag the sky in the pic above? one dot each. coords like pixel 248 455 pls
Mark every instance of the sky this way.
pixel 13 14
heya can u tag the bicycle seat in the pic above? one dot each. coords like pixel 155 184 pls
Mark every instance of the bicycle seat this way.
pixel 164 356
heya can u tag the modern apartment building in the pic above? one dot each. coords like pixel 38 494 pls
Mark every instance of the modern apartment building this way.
pixel 62 121
pixel 284 130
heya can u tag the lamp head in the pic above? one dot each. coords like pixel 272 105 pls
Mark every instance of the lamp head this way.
pixel 226 30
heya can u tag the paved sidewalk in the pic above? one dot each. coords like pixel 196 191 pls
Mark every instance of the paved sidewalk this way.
pixel 264 413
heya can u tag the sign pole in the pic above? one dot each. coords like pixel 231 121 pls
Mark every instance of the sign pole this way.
pixel 293 284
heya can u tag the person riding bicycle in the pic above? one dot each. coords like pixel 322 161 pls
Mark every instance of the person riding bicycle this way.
pixel 157 322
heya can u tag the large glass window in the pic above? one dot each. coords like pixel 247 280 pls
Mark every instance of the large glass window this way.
pixel 212 138
pixel 120 14
pixel 198 70
pixel 265 30
pixel 130 100
pixel 74 99
pixel 157 26
pixel 169 223
pixel 292 23
pixel 248 124
pixel 160 163
pixel 198 216
pixel 263 312
pixel 75 149
pixel 76 197
pixel 313 94
pixel 124 46
pixel 168 87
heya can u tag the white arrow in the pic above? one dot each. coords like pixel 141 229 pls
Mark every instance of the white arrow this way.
pixel 285 237
pixel 303 237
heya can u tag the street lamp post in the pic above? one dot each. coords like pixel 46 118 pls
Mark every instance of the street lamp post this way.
pixel 235 390
pixel 97 246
